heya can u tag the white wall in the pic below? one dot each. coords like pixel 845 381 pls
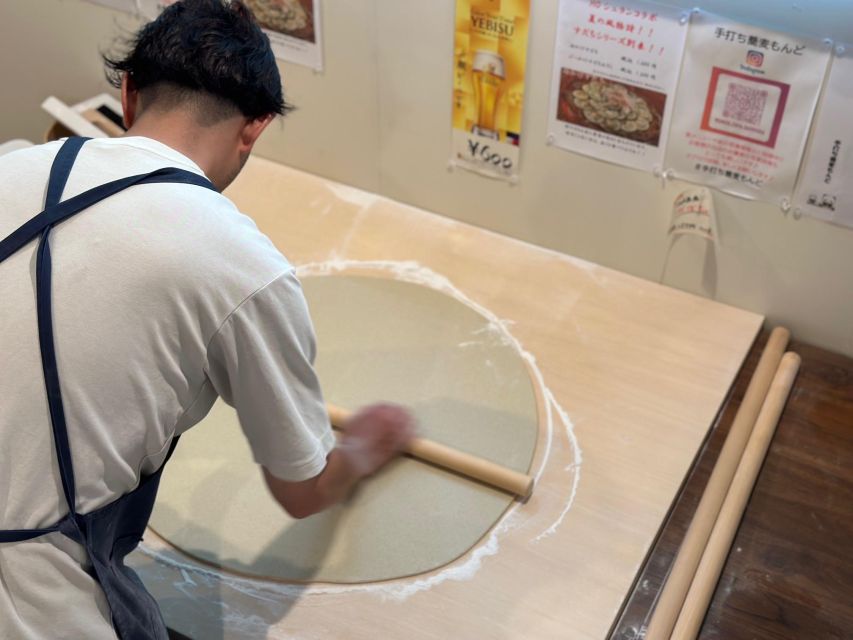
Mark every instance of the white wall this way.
pixel 379 118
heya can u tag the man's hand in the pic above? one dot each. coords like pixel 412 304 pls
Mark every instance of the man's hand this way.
pixel 374 435
pixel 371 438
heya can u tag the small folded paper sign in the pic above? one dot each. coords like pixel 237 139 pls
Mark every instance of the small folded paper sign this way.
pixel 693 212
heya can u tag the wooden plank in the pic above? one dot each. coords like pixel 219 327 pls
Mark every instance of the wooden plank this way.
pixel 640 369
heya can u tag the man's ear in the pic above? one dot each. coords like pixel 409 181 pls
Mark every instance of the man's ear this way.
pixel 252 130
pixel 129 100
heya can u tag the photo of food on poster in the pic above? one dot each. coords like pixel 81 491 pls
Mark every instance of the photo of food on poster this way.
pixel 824 190
pixel 490 54
pixel 293 26
pixel 614 76
pixel 743 108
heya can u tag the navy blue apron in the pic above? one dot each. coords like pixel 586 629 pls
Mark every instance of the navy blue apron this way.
pixel 111 532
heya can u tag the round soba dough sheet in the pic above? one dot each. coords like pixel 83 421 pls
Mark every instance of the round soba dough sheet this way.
pixel 378 339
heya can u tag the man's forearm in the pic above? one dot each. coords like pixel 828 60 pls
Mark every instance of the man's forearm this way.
pixel 338 479
pixel 372 437
pixel 332 485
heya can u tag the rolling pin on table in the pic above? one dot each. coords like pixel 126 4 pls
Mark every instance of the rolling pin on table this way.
pixel 454 460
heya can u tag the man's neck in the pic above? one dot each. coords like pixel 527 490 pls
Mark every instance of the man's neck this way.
pixel 202 145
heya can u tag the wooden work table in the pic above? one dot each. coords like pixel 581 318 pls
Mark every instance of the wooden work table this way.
pixel 790 572
pixel 629 376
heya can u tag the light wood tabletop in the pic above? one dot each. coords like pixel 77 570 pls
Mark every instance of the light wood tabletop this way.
pixel 629 376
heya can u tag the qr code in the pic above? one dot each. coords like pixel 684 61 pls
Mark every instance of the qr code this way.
pixel 745 104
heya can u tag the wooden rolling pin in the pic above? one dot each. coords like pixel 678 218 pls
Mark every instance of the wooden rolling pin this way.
pixel 684 568
pixel 714 557
pixel 466 464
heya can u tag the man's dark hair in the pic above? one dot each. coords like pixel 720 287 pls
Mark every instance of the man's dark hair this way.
pixel 198 49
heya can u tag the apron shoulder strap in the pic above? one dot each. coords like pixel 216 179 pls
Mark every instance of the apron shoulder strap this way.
pixel 61 169
pixel 56 213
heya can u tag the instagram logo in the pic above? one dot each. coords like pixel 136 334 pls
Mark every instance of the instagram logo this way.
pixel 754 58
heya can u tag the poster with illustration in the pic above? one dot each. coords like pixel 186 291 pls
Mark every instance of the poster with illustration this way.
pixel 489 60
pixel 613 81
pixel 825 190
pixel 744 105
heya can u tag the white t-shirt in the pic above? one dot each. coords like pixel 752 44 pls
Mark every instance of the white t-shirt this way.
pixel 164 296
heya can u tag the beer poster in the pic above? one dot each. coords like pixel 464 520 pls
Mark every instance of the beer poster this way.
pixel 614 77
pixel 490 54
pixel 744 106
pixel 824 190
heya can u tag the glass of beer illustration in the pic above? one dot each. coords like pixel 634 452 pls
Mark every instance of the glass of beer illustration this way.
pixel 488 76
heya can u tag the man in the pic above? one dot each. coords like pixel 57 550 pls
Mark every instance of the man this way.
pixel 122 322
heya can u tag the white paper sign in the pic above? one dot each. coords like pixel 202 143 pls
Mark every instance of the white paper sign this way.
pixel 744 105
pixel 693 213
pixel 613 82
pixel 825 190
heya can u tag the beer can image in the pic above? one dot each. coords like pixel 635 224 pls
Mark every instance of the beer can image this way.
pixel 488 75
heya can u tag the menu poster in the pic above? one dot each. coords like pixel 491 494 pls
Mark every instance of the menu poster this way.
pixel 293 26
pixel 744 105
pixel 614 77
pixel 825 190
pixel 489 62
